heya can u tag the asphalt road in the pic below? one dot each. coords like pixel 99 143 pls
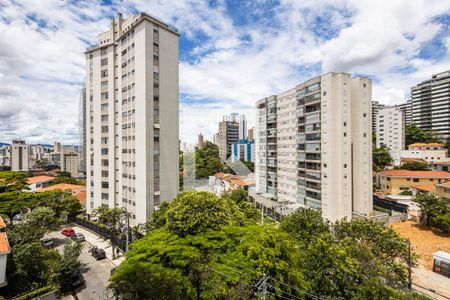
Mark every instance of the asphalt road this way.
pixel 96 275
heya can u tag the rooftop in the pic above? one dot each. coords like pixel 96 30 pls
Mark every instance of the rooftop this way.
pixel 239 182
pixel 407 173
pixel 63 187
pixel 42 178
pixel 425 188
pixel 81 196
pixel 426 145
pixel 411 159
pixel 4 245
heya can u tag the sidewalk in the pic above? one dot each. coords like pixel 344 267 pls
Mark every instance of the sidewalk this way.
pixel 98 241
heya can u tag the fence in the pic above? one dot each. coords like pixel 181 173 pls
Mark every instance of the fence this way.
pixel 104 233
pixel 403 208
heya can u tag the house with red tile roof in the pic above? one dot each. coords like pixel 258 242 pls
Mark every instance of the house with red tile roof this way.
pixel 395 181
pixel 38 182
pixel 5 249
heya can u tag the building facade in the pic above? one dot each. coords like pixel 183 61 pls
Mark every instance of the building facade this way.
pixel 251 134
pixel 314 146
pixel 396 181
pixel 69 160
pixel 5 155
pixel 20 155
pixel 200 141
pixel 431 104
pixel 406 108
pixel 228 135
pixel 132 116
pixel 376 106
pixel 390 128
pixel 243 150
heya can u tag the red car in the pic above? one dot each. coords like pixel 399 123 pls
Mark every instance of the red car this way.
pixel 68 231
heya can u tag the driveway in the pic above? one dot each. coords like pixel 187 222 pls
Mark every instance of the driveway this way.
pixel 98 272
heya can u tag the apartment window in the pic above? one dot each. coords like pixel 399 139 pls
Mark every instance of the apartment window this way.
pixel 104 85
pixel 104 62
pixel 364 85
pixel 345 123
pixel 104 96
pixel 345 165
pixel 104 107
pixel 104 129
pixel 416 180
pixel 105 185
pixel 324 93
pixel 104 151
pixel 104 196
pixel 105 173
pixel 103 51
pixel 104 118
pixel 104 73
pixel 105 162
pixel 364 115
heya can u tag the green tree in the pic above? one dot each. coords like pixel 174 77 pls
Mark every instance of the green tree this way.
pixel 414 134
pixel 13 181
pixel 12 203
pixel 69 264
pixel 381 158
pixel 194 212
pixel 207 161
pixel 431 207
pixel 61 202
pixel 305 224
pixel 64 177
pixel 241 199
pixel 414 166
pixel 159 217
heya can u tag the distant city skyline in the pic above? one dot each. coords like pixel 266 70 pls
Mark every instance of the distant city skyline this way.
pixel 231 54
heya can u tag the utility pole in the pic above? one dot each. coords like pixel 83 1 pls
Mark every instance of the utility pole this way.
pixel 127 215
pixel 409 266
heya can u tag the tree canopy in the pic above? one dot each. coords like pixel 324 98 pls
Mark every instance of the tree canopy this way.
pixel 414 166
pixel 381 158
pixel 11 181
pixel 207 248
pixel 207 161
pixel 434 211
pixel 414 134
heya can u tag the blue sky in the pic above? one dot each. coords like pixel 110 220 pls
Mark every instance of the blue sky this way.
pixel 232 53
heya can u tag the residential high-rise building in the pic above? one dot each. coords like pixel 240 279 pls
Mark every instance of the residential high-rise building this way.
pixel 390 128
pixel 431 104
pixel 216 139
pixel 251 135
pixel 314 146
pixel 376 106
pixel 57 147
pixel 69 160
pixel 82 128
pixel 228 135
pixel 5 155
pixel 37 152
pixel 406 108
pixel 242 127
pixel 132 116
pixel 200 141
pixel 20 155
pixel 244 150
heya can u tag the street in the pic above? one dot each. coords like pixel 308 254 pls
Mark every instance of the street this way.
pixel 98 272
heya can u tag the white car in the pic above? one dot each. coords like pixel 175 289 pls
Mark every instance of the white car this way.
pixel 46 241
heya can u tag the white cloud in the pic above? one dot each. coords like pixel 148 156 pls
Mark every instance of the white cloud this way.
pixel 233 63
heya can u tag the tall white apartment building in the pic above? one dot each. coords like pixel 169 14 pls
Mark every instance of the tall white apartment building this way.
pixel 132 116
pixel 376 106
pixel 69 160
pixel 430 106
pixel 390 128
pixel 20 156
pixel 314 146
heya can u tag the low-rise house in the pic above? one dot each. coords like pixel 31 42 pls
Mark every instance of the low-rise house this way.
pixel 78 191
pixel 443 191
pixel 431 152
pixel 396 181
pixel 5 249
pixel 441 166
pixel 38 182
pixel 222 182
pixel 423 189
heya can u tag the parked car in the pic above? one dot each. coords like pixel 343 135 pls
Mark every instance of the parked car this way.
pixel 97 253
pixel 46 241
pixel 68 231
pixel 17 217
pixel 78 237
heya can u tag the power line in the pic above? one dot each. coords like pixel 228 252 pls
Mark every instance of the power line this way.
pixel 299 290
